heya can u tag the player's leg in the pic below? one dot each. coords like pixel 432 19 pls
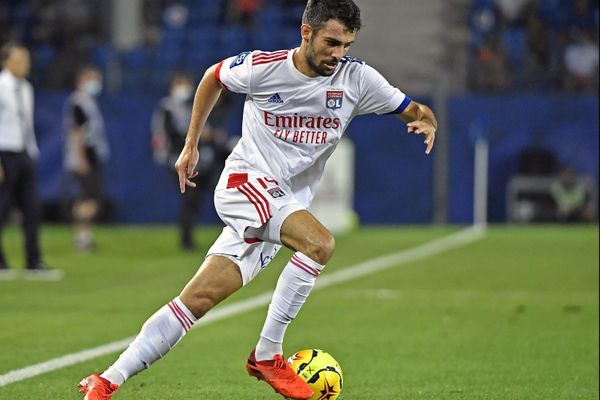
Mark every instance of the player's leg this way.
pixel 26 197
pixel 313 245
pixel 87 206
pixel 83 214
pixel 7 187
pixel 217 278
pixel 302 232
pixel 191 202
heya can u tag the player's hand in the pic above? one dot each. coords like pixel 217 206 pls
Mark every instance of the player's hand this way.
pixel 185 167
pixel 423 128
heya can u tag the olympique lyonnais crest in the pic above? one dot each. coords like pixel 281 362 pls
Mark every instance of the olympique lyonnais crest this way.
pixel 333 99
pixel 276 192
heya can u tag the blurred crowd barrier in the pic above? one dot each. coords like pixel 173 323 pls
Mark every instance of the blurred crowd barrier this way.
pixel 532 63
pixel 62 35
pixel 393 178
pixel 564 127
pixel 534 44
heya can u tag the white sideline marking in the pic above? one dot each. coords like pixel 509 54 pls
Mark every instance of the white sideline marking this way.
pixel 445 243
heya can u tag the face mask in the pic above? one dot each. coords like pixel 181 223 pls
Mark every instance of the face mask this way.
pixel 92 88
pixel 182 92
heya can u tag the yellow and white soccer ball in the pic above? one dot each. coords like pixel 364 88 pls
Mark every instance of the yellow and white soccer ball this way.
pixel 321 371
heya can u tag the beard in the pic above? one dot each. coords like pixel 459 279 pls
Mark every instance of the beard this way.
pixel 321 68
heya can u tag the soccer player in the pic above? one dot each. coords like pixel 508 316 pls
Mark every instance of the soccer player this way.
pixel 298 104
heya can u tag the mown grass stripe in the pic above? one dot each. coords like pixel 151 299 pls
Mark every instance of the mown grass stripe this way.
pixel 403 257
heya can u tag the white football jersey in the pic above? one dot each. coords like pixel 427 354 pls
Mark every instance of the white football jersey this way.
pixel 292 123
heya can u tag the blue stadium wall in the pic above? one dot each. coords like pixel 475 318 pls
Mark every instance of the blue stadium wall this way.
pixel 393 176
pixel 564 125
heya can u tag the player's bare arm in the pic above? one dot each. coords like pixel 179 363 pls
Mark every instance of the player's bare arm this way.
pixel 205 99
pixel 421 121
pixel 83 167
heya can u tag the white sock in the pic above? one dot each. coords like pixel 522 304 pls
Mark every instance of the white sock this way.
pixel 293 287
pixel 159 334
pixel 84 238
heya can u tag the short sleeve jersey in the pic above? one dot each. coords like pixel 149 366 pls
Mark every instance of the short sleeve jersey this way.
pixel 291 122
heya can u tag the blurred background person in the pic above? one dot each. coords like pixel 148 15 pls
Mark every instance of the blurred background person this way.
pixel 571 198
pixel 86 149
pixel 18 152
pixel 243 12
pixel 581 62
pixel 490 70
pixel 170 123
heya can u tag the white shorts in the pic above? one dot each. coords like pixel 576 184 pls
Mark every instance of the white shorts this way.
pixel 253 207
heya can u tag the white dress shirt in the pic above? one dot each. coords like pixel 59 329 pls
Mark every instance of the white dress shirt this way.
pixel 16 115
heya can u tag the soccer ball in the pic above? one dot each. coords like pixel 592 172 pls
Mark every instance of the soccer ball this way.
pixel 320 370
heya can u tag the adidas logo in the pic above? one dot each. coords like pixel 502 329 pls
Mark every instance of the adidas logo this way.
pixel 276 98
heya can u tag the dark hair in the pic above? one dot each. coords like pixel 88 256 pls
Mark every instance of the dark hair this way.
pixel 7 48
pixel 180 74
pixel 85 68
pixel 318 12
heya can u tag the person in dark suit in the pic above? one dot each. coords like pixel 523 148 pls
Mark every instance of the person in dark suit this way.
pixel 18 152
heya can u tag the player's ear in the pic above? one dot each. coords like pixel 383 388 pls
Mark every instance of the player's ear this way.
pixel 306 32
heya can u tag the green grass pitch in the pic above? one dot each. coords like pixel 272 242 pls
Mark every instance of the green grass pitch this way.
pixel 511 316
